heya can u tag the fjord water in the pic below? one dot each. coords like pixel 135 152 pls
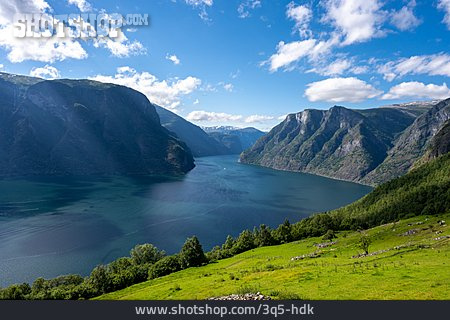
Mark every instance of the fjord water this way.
pixel 55 226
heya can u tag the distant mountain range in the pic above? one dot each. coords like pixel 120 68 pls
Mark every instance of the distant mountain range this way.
pixel 368 146
pixel 81 127
pixel 200 143
pixel 209 141
pixel 234 139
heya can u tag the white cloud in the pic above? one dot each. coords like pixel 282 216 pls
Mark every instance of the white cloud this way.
pixel 212 116
pixel 355 20
pixel 201 5
pixel 1 66
pixel 288 53
pixel 434 65
pixel 404 19
pixel 256 118
pixel 82 5
pixel 173 58
pixel 11 7
pixel 196 102
pixel 340 90
pixel 43 49
pixel 359 69
pixel 416 89
pixel 228 87
pixel 337 67
pixel 120 47
pixel 197 3
pixel 444 5
pixel 245 7
pixel 46 72
pixel 302 16
pixel 165 93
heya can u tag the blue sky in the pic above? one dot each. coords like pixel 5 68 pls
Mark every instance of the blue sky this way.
pixel 250 62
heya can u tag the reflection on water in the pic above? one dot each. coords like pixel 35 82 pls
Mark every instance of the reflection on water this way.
pixel 53 226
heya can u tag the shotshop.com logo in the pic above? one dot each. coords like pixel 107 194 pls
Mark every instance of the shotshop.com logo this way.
pixel 42 25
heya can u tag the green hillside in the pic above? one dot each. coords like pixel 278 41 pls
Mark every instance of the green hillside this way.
pixel 418 270
pixel 412 260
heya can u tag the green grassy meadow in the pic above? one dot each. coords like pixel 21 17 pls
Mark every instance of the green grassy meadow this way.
pixel 419 270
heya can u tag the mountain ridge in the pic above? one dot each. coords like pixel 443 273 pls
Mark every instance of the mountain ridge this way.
pixel 340 143
pixel 83 127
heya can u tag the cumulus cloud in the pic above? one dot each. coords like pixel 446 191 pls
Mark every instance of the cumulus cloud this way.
pixel 434 65
pixel 201 116
pixel 288 53
pixel 48 50
pixel 444 5
pixel 173 58
pixel 120 46
pixel 245 7
pixel 11 7
pixel 37 49
pixel 302 16
pixel 356 20
pixel 46 72
pixel 340 90
pixel 256 118
pixel 82 5
pixel 404 19
pixel 165 93
pixel 416 89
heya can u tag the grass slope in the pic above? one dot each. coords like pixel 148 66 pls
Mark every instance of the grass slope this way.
pixel 419 270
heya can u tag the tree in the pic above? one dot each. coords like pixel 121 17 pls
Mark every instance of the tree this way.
pixel 100 280
pixel 229 243
pixel 330 235
pixel 244 242
pixel 192 255
pixel 146 253
pixel 15 292
pixel 263 236
pixel 364 242
pixel 283 234
pixel 165 266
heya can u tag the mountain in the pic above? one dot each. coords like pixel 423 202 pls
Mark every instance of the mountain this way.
pixel 344 143
pixel 441 142
pixel 411 144
pixel 81 127
pixel 200 143
pixel 235 139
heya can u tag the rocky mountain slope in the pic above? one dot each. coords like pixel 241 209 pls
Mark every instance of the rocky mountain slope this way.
pixel 234 139
pixel 350 144
pixel 411 145
pixel 200 143
pixel 82 127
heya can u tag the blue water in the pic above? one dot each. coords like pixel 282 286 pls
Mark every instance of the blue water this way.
pixel 54 226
